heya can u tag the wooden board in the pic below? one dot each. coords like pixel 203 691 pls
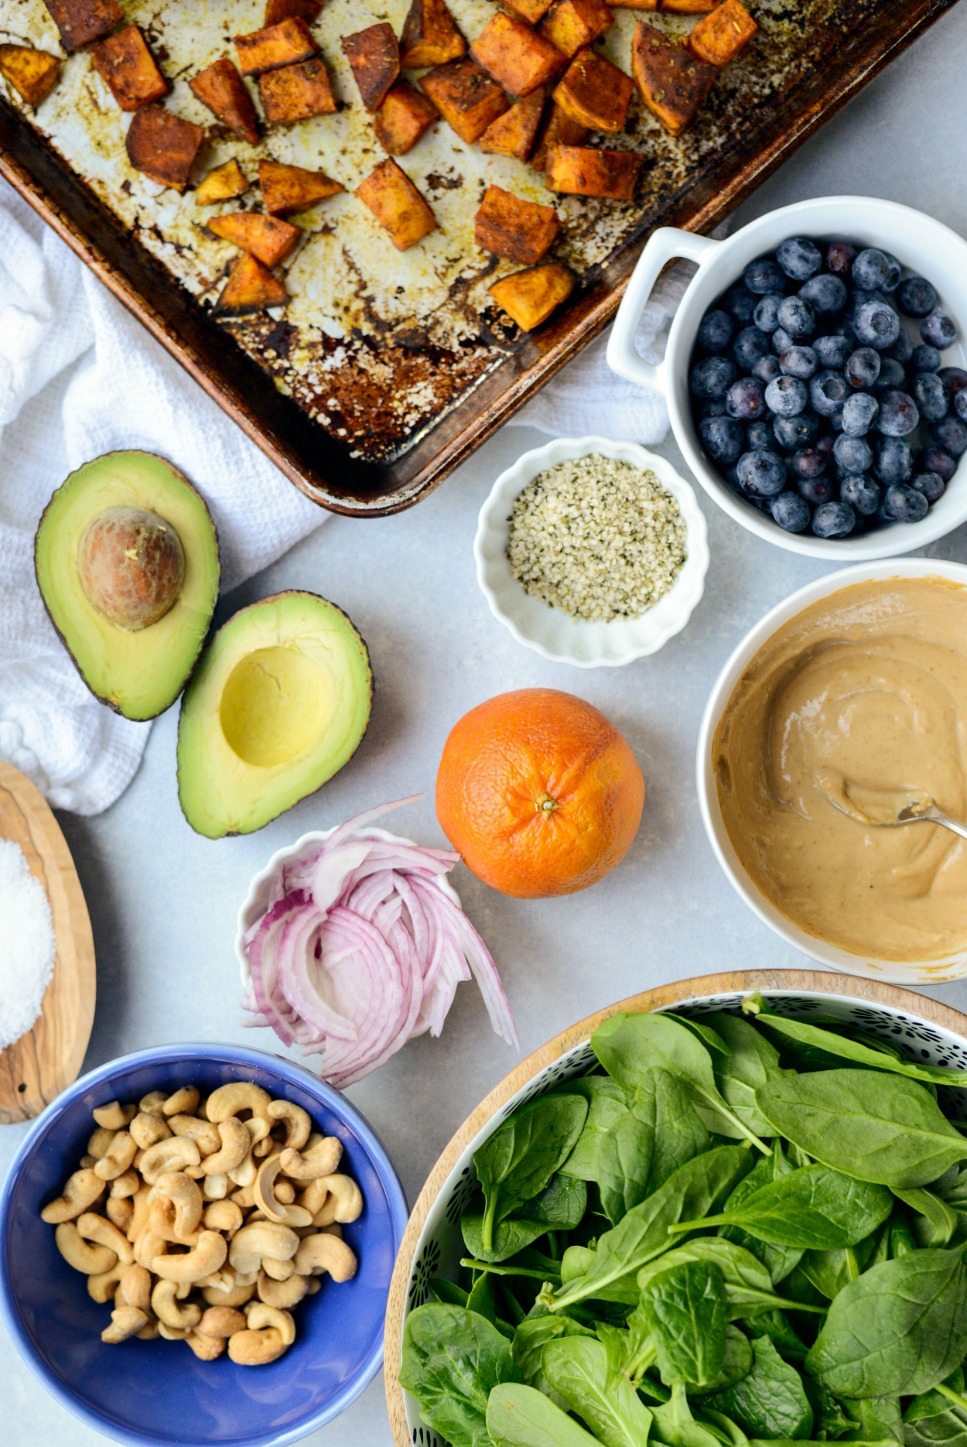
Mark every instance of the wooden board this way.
pixel 37 1067
pixel 741 982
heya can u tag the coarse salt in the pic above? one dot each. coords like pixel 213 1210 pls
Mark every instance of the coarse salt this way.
pixel 27 945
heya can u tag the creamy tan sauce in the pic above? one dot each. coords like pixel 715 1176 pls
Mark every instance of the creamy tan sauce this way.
pixel 860 700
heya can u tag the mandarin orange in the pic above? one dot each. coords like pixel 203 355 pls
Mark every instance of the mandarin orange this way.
pixel 539 793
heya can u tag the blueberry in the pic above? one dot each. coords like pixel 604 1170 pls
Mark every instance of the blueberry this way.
pixel 863 367
pixel 839 257
pixel 894 461
pixel 745 399
pixel 930 396
pixel 898 414
pixel 852 454
pixel 799 362
pixel 723 439
pixel 749 347
pixel 916 297
pixel 714 407
pixel 892 376
pixel 781 340
pixel 902 349
pixel 903 504
pixel 937 460
pixel 960 405
pixel 872 270
pixel 954 379
pixel 791 511
pixel 877 324
pixel 740 303
pixel 799 258
pixel 938 331
pixel 797 318
pixel 893 274
pixel 712 377
pixel 762 474
pixel 764 275
pixel 816 490
pixel 825 294
pixel 794 432
pixel 825 443
pixel 786 396
pixel 924 358
pixel 931 484
pixel 827 392
pixel 832 351
pixel 950 433
pixel 764 315
pixel 862 494
pixel 759 437
pixel 808 462
pixel 766 368
pixel 715 330
pixel 859 414
pixel 833 520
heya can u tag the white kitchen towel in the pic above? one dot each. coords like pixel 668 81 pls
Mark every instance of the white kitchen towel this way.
pixel 79 377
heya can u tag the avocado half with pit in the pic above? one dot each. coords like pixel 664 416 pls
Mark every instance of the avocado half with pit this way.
pixel 126 557
pixel 278 704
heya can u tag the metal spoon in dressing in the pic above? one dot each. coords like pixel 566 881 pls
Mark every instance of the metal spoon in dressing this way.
pixel 883 808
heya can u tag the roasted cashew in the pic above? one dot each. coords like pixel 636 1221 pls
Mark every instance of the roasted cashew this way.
pixel 92 1260
pixel 344 1202
pixel 284 1192
pixel 320 1158
pixel 235 1146
pixel 238 1095
pixel 164 1304
pixel 128 1183
pixel 181 1102
pixel 284 1294
pixel 313 1285
pixel 114 1115
pixel 278 1270
pixel 244 1173
pixel 245 1196
pixel 298 1123
pixel 202 1132
pixel 325 1252
pixel 134 1288
pixel 152 1102
pixel 147 1129
pixel 81 1190
pixel 126 1321
pixel 223 1216
pixel 105 1233
pixel 119 1211
pixel 259 1128
pixel 141 1201
pixel 173 1154
pixel 205 1347
pixel 118 1157
pixel 314 1195
pixel 173 1333
pixel 221 1321
pixel 255 1348
pixel 87 1163
pixel 100 1142
pixel 192 1265
pixel 261 1239
pixel 235 1295
pixel 149 1332
pixel 186 1201
pixel 149 1245
pixel 259 1315
pixel 215 1188
pixel 268 1202
pixel 102 1287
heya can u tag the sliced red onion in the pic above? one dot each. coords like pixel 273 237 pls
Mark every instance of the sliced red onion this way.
pixel 361 948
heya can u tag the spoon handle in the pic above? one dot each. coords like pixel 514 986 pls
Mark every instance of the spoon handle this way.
pixel 935 817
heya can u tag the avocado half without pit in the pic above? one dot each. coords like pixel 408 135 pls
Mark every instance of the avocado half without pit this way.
pixel 278 704
pixel 127 563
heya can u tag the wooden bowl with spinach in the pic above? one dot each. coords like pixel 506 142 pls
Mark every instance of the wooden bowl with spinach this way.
pixel 724 1213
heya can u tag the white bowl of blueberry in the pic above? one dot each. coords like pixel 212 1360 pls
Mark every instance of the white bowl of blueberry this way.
pixel 815 373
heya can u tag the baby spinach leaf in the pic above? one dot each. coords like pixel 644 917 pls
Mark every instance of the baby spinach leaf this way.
pixel 675 1424
pixel 776 1327
pixel 664 1104
pixel 941 1429
pixel 577 1369
pixel 830 1271
pixel 932 1403
pixel 520 1416
pixel 899 1329
pixel 532 1336
pixel 482 1299
pixel 770 1401
pixel 751 1061
pixel 935 1222
pixel 876 1127
pixel 817 1208
pixel 703 1030
pixel 686 1311
pixel 577 1261
pixel 520 1158
pixel 559 1207
pixel 643 1233
pixel 778 1260
pixel 848 1048
pixel 875 1418
pixel 748 1286
pixel 736 1364
pixel 452 1359
pixel 447 1292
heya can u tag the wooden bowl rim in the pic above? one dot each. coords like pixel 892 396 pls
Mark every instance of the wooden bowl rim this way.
pixel 679 992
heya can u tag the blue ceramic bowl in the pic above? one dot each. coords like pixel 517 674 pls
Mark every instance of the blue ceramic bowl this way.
pixel 158 1392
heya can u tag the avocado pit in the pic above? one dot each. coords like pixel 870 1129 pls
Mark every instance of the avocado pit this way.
pixel 131 566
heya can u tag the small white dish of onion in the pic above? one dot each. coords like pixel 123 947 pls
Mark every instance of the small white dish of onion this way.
pixel 351 941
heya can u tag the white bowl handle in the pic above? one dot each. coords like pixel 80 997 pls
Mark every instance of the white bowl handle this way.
pixel 664 245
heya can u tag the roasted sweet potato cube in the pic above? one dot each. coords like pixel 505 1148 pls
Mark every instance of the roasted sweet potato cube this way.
pixel 268 238
pixel 570 25
pixel 672 82
pixel 589 171
pixel 528 297
pixel 514 133
pixel 430 36
pixel 466 97
pixel 125 63
pixel 296 92
pixel 720 36
pixel 529 10
pixel 220 87
pixel 163 145
pixel 594 92
pixel 32 73
pixel 511 227
pixel 277 45
pixel 397 205
pixel 403 118
pixel 307 10
pixel 517 56
pixel 81 21
pixel 688 7
pixel 556 127
pixel 223 183
pixel 286 189
pixel 374 58
pixel 251 287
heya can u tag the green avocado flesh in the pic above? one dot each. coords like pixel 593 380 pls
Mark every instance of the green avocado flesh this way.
pixel 139 673
pixel 278 704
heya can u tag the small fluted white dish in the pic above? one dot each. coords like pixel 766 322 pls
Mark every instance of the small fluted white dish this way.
pixel 550 631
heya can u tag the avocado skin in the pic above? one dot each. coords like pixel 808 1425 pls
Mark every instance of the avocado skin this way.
pixel 284 783
pixel 206 541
